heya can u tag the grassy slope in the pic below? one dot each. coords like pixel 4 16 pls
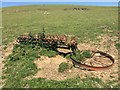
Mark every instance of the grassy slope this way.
pixel 19 69
pixel 84 24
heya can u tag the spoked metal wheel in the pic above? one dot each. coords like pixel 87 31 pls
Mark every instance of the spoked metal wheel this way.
pixel 99 61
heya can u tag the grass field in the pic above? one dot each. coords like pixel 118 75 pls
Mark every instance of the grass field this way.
pixel 84 24
pixel 87 25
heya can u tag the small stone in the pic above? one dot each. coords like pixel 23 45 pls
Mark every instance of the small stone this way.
pixel 111 86
pixel 1 27
pixel 76 66
pixel 70 70
pixel 78 83
pixel 97 54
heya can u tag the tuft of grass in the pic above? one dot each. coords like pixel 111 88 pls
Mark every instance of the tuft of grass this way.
pixel 78 56
pixel 117 45
pixel 67 56
pixel 48 52
pixel 63 66
pixel 87 54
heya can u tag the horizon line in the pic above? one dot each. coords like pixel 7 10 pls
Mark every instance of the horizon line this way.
pixel 107 4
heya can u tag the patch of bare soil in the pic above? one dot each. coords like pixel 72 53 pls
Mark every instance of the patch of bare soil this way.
pixel 49 66
pixel 98 61
pixel 8 50
pixel 107 44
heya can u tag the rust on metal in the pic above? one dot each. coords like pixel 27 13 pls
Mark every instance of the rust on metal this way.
pixel 94 68
pixel 61 41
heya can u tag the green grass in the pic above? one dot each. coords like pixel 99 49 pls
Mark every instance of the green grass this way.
pixel 86 25
pixel 87 54
pixel 64 66
pixel 17 70
pixel 117 45
pixel 69 83
pixel 78 56
pixel 20 64
pixel 48 52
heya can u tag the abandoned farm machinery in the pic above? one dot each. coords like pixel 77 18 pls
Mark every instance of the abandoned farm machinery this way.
pixel 47 40
pixel 62 41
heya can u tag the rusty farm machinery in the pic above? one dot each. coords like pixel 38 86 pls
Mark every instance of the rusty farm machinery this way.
pixel 47 40
pixel 63 41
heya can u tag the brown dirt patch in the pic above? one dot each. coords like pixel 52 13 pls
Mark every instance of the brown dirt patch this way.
pixel 98 61
pixel 8 50
pixel 49 66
